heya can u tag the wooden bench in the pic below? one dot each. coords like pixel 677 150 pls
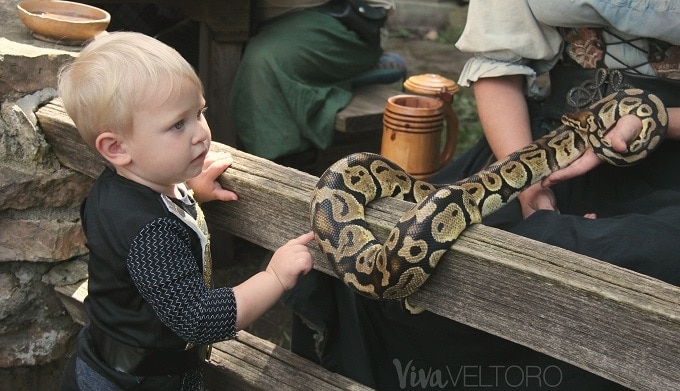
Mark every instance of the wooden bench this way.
pixel 618 324
pixel 358 127
pixel 244 363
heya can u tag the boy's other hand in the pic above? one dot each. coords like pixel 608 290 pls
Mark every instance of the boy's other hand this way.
pixel 205 185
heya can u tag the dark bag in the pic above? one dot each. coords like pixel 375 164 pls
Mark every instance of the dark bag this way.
pixel 359 17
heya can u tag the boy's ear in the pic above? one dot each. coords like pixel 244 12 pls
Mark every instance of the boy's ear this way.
pixel 110 146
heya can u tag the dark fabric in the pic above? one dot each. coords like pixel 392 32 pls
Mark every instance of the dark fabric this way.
pixel 380 345
pixel 357 16
pixel 638 208
pixel 583 87
pixel 68 376
pixel 165 23
pixel 145 361
pixel 295 75
pixel 166 274
pixel 91 375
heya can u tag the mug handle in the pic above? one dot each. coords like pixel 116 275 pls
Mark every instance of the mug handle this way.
pixel 451 128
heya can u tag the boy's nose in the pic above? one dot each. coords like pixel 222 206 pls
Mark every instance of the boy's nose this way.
pixel 202 133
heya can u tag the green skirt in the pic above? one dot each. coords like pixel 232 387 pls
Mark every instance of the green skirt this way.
pixel 294 77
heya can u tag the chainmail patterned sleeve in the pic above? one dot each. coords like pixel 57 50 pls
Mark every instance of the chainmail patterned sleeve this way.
pixel 166 273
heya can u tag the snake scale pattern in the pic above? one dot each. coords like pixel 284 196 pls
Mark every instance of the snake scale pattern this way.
pixel 397 268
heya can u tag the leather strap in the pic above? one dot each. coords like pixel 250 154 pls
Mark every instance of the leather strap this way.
pixel 142 361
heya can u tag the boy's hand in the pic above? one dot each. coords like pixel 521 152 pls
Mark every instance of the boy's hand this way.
pixel 205 185
pixel 292 260
pixel 257 294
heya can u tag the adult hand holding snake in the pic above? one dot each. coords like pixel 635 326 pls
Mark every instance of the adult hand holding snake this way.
pixel 627 128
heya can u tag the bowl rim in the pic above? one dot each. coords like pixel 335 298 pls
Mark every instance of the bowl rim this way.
pixel 106 18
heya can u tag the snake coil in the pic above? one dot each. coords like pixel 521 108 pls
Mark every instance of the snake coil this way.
pixel 397 268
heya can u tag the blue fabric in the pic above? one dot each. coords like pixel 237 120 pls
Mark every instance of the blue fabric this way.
pixel 391 68
pixel 88 378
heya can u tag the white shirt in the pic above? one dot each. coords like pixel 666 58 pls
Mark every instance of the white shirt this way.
pixel 519 37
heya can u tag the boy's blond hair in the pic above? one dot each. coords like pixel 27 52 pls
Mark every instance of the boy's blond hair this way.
pixel 113 75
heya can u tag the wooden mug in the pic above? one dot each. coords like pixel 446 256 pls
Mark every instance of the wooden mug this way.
pixel 413 135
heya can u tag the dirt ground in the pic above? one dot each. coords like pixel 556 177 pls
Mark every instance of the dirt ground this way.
pixel 426 56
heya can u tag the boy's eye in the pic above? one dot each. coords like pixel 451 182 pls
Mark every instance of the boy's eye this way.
pixel 179 125
pixel 201 112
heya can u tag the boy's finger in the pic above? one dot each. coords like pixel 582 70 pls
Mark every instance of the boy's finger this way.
pixel 216 168
pixel 304 238
pixel 226 195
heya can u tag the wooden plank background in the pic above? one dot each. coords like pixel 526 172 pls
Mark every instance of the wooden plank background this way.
pixel 613 322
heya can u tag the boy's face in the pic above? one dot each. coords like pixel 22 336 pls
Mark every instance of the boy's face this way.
pixel 169 140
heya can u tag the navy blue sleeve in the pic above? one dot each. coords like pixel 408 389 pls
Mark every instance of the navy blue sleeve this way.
pixel 166 274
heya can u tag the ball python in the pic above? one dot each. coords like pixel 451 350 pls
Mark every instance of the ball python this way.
pixel 397 268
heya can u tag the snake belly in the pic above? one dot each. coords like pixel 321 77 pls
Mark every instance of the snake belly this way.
pixel 398 267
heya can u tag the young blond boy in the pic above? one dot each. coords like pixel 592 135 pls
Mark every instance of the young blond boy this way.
pixel 151 306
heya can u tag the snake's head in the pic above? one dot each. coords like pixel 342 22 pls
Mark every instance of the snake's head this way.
pixel 578 120
pixel 582 121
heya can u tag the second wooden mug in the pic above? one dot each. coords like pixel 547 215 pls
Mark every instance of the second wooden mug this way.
pixel 413 135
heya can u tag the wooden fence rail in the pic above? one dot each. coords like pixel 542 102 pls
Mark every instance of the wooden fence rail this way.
pixel 618 324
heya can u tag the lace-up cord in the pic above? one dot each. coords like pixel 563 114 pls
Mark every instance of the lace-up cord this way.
pixel 632 43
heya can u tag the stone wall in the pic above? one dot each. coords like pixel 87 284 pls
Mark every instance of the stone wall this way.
pixel 41 242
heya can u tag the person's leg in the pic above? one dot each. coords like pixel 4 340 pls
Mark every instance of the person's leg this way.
pixel 294 77
pixel 645 243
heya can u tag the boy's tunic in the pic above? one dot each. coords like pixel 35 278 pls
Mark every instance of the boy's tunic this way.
pixel 146 286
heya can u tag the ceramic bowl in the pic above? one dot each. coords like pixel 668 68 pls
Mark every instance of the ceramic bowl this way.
pixel 64 22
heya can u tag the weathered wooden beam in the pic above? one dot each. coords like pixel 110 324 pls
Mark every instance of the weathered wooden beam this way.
pixel 613 322
pixel 277 367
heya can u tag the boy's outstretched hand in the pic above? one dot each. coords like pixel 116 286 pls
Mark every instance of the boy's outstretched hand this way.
pixel 205 185
pixel 292 260
pixel 257 294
